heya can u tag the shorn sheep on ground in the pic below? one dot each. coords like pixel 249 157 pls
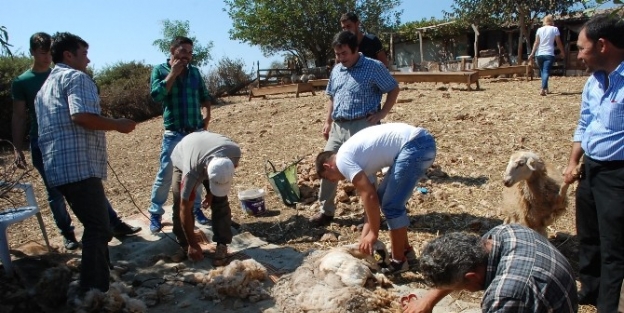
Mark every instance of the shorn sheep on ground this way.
pixel 533 197
pixel 338 280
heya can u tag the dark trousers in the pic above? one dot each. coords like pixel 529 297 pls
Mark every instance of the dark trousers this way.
pixel 86 198
pixel 220 208
pixel 600 230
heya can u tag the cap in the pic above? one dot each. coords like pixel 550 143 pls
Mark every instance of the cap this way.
pixel 220 175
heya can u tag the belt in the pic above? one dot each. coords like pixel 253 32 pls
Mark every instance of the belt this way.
pixel 186 130
pixel 342 120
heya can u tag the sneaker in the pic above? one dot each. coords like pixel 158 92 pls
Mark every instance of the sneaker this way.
pixel 410 255
pixel 396 267
pixel 70 243
pixel 200 217
pixel 319 219
pixel 220 256
pixel 155 223
pixel 124 229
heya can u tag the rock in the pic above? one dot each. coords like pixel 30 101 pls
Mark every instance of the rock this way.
pixel 342 196
pixel 329 237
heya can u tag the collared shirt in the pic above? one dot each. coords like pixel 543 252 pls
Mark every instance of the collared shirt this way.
pixel 357 91
pixel 182 104
pixel 600 128
pixel 526 273
pixel 71 153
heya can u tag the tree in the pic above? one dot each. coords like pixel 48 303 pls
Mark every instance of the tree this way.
pixel 304 29
pixel 524 13
pixel 171 29
pixel 4 41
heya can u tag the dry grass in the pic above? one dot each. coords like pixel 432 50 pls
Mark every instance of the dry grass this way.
pixel 475 133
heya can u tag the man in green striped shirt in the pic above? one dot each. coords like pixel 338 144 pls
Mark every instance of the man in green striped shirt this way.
pixel 180 88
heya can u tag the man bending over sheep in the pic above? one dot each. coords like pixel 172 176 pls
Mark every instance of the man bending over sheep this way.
pixel 209 159
pixel 519 270
pixel 408 151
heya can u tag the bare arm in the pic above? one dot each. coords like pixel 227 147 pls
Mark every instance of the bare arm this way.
pixel 391 99
pixel 97 122
pixel 426 303
pixel 367 191
pixel 205 111
pixel 575 156
pixel 328 119
pixel 18 124
pixel 535 45
pixel 188 227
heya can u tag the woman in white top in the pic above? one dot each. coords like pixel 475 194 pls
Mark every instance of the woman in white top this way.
pixel 544 48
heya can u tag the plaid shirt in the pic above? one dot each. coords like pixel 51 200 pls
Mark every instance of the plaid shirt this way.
pixel 70 152
pixel 182 104
pixel 526 273
pixel 357 90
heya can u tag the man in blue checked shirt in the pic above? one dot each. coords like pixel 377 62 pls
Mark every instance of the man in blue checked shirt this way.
pixel 599 139
pixel 355 89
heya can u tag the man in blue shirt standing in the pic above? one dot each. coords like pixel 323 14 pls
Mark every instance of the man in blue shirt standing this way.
pixel 599 139
pixel 355 88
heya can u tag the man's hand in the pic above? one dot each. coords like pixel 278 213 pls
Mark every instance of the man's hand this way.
pixel 416 306
pixel 326 129
pixel 571 173
pixel 376 117
pixel 178 67
pixel 207 200
pixel 20 160
pixel 195 252
pixel 367 242
pixel 125 125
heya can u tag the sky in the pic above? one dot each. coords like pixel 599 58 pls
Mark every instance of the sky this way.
pixel 123 30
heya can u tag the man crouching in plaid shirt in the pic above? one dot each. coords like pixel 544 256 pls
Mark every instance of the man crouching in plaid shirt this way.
pixel 519 270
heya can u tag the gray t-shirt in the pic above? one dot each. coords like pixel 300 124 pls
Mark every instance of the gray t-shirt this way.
pixel 193 154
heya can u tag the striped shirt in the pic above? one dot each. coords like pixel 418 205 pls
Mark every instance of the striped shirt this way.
pixel 357 91
pixel 525 273
pixel 600 128
pixel 182 104
pixel 70 152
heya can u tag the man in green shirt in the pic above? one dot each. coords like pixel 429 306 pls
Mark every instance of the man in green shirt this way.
pixel 180 88
pixel 24 90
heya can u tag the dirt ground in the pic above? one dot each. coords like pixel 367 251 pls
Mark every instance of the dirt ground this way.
pixel 475 131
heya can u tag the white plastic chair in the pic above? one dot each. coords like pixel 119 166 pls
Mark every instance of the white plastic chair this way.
pixel 14 215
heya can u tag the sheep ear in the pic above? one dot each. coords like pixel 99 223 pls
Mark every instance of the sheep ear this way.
pixel 529 164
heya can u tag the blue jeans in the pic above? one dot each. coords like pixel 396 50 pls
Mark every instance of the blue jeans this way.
pixel 162 183
pixel 62 219
pixel 545 64
pixel 415 157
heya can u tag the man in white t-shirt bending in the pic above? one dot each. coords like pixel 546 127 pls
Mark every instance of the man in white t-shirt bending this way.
pixel 408 151
pixel 203 158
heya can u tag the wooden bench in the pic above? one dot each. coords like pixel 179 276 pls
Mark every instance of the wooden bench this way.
pixel 319 83
pixel 468 77
pixel 527 70
pixel 280 89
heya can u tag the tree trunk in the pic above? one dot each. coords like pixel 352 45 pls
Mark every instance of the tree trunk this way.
pixel 521 25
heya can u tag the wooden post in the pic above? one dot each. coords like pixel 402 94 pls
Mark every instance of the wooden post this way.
pixel 476 46
pixel 258 74
pixel 391 49
pixel 422 56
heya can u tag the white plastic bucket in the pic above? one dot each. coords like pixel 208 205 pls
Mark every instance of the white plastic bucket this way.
pixel 252 201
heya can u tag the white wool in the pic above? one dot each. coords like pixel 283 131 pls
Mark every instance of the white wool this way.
pixel 533 197
pixel 241 279
pixel 115 300
pixel 333 281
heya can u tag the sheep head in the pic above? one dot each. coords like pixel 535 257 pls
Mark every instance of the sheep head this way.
pixel 521 166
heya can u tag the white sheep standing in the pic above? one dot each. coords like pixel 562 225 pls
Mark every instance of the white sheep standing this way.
pixel 532 197
pixel 338 280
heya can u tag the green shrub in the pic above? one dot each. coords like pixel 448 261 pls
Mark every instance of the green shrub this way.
pixel 228 76
pixel 10 68
pixel 125 91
